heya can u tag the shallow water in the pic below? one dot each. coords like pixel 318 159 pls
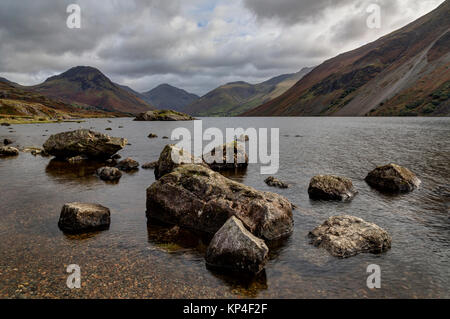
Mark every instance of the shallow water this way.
pixel 128 261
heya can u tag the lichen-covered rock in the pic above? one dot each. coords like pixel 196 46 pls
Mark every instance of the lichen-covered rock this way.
pixel 275 182
pixel 83 217
pixel 172 157
pixel 196 197
pixel 109 173
pixel 330 187
pixel 218 160
pixel 127 165
pixel 393 178
pixel 346 236
pixel 83 143
pixel 150 165
pixel 234 248
pixel 163 115
pixel 8 151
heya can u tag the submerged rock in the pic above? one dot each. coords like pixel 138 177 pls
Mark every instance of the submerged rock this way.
pixel 172 157
pixel 8 151
pixel 196 197
pixel 275 182
pixel 330 187
pixel 393 178
pixel 234 248
pixel 83 217
pixel 346 236
pixel 163 115
pixel 150 165
pixel 77 159
pixel 217 158
pixel 127 165
pixel 152 135
pixel 109 173
pixel 84 143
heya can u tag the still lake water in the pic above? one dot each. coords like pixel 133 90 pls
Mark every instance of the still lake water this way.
pixel 127 262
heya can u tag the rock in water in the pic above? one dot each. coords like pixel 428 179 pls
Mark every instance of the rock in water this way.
pixel 234 248
pixel 83 217
pixel 83 143
pixel 109 173
pixel 8 151
pixel 150 165
pixel 7 141
pixel 172 157
pixel 196 197
pixel 346 236
pixel 152 135
pixel 217 158
pixel 330 187
pixel 163 115
pixel 393 178
pixel 127 165
pixel 275 182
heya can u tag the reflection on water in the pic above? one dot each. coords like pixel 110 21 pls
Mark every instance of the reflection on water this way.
pixel 136 259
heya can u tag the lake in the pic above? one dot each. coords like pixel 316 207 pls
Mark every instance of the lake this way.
pixel 127 261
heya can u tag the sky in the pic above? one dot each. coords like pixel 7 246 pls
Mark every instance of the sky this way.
pixel 196 45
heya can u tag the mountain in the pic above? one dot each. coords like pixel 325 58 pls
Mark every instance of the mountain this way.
pixel 88 87
pixel 403 73
pixel 19 102
pixel 237 97
pixel 165 96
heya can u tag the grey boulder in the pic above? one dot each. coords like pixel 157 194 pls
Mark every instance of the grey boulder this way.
pixel 234 248
pixel 196 197
pixel 83 143
pixel 109 173
pixel 331 187
pixel 393 178
pixel 83 217
pixel 346 236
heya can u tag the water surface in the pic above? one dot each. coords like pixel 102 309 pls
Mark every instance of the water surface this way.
pixel 128 261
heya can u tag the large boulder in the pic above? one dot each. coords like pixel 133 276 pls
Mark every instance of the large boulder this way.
pixel 163 115
pixel 393 178
pixel 8 151
pixel 196 197
pixel 171 157
pixel 346 236
pixel 83 217
pixel 330 187
pixel 107 173
pixel 128 165
pixel 234 248
pixel 83 143
pixel 218 160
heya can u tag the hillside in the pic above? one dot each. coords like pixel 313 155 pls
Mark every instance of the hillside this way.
pixel 403 73
pixel 165 96
pixel 88 87
pixel 237 97
pixel 19 102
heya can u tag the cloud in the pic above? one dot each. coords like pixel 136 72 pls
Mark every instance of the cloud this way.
pixel 196 44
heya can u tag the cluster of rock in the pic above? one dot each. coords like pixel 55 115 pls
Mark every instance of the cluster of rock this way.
pixel 191 194
pixel 163 115
pixel 346 236
pixel 240 217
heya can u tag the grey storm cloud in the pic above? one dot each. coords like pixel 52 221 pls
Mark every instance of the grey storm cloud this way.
pixel 194 44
